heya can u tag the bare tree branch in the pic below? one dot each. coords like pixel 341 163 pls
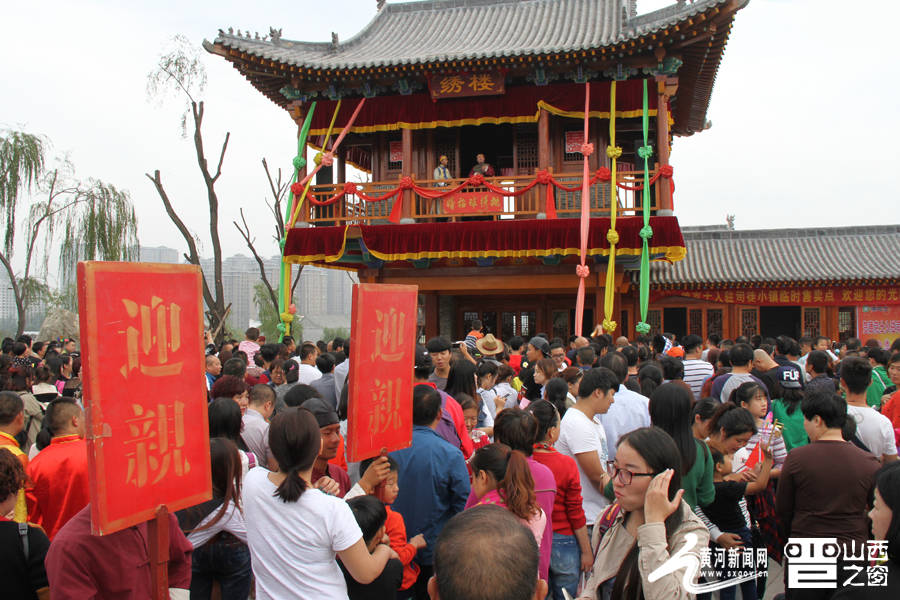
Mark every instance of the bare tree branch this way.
pixel 245 233
pixel 194 256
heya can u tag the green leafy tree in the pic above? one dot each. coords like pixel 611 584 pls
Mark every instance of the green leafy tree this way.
pixel 93 220
pixel 268 314
pixel 329 333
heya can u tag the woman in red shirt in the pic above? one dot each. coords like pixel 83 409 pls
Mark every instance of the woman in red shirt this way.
pixel 571 553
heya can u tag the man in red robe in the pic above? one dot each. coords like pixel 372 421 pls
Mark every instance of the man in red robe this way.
pixel 57 486
pixel 80 565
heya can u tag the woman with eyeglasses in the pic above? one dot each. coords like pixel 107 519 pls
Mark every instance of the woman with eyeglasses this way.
pixel 647 525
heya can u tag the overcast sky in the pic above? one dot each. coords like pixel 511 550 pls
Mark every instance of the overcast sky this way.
pixel 804 112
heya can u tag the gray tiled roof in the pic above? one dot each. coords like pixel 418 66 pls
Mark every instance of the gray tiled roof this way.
pixel 446 30
pixel 716 256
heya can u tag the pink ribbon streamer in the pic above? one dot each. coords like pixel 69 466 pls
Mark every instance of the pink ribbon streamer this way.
pixel 582 270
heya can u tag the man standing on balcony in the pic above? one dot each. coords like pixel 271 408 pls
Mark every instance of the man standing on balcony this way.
pixel 482 167
pixel 441 172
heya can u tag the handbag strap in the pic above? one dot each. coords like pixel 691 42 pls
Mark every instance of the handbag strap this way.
pixel 23 533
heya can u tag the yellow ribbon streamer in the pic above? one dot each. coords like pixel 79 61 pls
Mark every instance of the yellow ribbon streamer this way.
pixel 613 152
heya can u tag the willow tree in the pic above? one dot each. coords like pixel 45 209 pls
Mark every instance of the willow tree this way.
pixel 180 72
pixel 90 220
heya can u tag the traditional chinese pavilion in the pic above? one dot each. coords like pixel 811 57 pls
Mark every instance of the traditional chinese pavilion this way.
pixel 519 81
pixel 838 282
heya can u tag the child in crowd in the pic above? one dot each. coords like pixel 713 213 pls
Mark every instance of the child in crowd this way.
pixel 371 516
pixel 486 372
pixel 250 345
pixel 504 387
pixel 725 511
pixel 501 476
pixel 395 527
pixel 469 407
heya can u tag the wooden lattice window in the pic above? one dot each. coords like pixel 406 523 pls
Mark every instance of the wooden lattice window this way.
pixel 846 322
pixel 654 319
pixel 527 324
pixel 749 324
pixel 811 322
pixel 714 321
pixel 526 152
pixel 695 321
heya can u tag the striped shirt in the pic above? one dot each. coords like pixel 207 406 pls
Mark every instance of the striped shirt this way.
pixel 695 373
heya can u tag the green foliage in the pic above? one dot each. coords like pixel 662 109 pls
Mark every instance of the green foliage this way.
pixel 180 71
pixel 268 314
pixel 100 224
pixel 329 333
pixel 21 166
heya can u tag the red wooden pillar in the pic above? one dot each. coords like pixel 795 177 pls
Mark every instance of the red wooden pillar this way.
pixel 662 143
pixel 408 169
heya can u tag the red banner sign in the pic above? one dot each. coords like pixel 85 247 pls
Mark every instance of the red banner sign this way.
pixel 395 149
pixel 574 141
pixel 382 356
pixel 794 296
pixel 144 390
pixel 472 202
pixel 462 85
pixel 879 322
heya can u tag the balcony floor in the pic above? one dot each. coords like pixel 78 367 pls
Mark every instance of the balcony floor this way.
pixel 480 243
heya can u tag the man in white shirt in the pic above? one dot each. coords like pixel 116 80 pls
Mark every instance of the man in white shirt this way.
pixel 696 370
pixel 342 370
pixel 872 428
pixel 307 359
pixel 583 439
pixel 628 412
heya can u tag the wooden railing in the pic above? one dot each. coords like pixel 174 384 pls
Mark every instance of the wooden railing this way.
pixel 351 209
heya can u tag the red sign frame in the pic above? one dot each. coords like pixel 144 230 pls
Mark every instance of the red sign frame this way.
pixel 878 322
pixel 382 357
pixel 483 202
pixel 574 141
pixel 803 295
pixel 467 84
pixel 144 389
pixel 395 152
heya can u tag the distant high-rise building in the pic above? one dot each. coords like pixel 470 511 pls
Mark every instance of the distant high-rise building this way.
pixel 160 254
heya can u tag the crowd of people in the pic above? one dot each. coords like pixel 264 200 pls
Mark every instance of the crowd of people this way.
pixel 540 468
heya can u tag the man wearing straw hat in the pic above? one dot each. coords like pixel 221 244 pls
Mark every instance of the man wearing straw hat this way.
pixel 490 348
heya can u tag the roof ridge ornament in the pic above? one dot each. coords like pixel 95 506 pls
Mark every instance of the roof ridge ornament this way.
pixel 275 34
pixel 334 40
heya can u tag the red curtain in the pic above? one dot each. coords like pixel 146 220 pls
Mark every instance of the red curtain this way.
pixel 518 105
pixel 481 239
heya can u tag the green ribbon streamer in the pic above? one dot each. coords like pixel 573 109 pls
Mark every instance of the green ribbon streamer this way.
pixel 646 231
pixel 299 162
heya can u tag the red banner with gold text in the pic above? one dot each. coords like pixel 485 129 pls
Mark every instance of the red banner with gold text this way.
pixel 832 295
pixel 382 356
pixel 144 390
pixel 472 202
pixel 462 85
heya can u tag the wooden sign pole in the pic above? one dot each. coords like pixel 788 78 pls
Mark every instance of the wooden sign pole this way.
pixel 158 546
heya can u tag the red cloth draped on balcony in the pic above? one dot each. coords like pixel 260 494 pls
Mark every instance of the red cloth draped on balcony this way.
pixel 519 104
pixel 482 239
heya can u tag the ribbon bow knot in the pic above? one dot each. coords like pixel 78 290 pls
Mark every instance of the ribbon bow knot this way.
pixel 299 162
pixel 406 182
pixel 642 328
pixel 666 171
pixel 297 188
pixel 645 152
pixel 350 188
pixel 646 232
pixel 603 174
pixel 612 237
pixel 614 151
pixel 587 149
pixel 476 179
pixel 543 176
pixel 582 271
pixel 609 325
